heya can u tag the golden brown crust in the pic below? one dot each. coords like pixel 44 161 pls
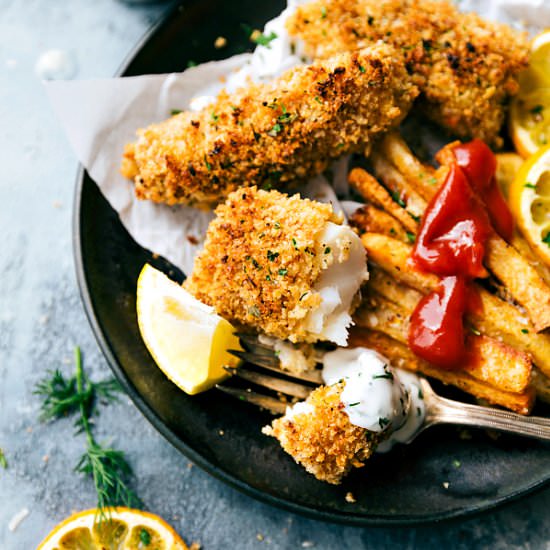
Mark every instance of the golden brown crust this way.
pixel 261 260
pixel 465 67
pixel 324 441
pixel 274 133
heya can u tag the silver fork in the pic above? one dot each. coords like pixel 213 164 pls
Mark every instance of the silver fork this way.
pixel 262 368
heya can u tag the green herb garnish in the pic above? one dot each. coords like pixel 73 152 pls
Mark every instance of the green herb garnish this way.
pixel 283 272
pixel 254 311
pixel 546 239
pixel 395 196
pixel 263 39
pixel 79 395
pixel 145 537
pixel 411 237
pixel 175 111
pixel 3 460
pixel 387 375
pixel 327 249
pixel 272 256
pixel 275 130
pixel 383 422
pixel 530 185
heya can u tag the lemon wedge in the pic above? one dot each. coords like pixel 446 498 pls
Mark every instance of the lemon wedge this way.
pixel 186 338
pixel 124 528
pixel 530 109
pixel 530 202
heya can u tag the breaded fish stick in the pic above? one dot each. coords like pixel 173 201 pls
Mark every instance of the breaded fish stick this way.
pixel 465 67
pixel 319 435
pixel 272 134
pixel 282 265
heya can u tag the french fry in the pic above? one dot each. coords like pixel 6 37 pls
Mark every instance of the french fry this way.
pixel 398 184
pixel 497 318
pixel 521 279
pixel 488 360
pixel 392 256
pixel 372 191
pixel 541 383
pixel 524 248
pixel 373 219
pixel 382 284
pixel 423 177
pixel 401 356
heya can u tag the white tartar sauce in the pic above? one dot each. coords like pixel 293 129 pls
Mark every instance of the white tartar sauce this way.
pixel 376 396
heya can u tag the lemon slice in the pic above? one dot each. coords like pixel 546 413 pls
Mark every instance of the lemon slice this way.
pixel 124 529
pixel 530 110
pixel 186 338
pixel 508 165
pixel 530 202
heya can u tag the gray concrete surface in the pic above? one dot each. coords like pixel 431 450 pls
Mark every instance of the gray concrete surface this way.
pixel 41 320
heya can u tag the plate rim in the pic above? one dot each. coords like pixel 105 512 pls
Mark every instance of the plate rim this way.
pixel 221 474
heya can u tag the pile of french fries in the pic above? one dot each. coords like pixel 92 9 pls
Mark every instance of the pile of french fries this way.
pixel 508 349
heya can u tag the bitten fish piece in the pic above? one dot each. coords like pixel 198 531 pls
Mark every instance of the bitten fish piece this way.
pixel 272 134
pixel 282 265
pixel 318 434
pixel 465 67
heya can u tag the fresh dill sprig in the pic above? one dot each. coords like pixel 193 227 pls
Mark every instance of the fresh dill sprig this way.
pixel 60 396
pixel 106 466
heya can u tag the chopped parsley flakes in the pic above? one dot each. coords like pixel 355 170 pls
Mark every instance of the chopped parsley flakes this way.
pixel 263 39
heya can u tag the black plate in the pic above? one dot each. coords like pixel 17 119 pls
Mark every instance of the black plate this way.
pixel 404 487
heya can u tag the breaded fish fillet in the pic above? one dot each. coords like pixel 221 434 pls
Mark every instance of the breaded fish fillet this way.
pixel 318 434
pixel 282 265
pixel 466 67
pixel 272 134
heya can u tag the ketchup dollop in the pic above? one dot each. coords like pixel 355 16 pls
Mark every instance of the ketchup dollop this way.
pixel 466 210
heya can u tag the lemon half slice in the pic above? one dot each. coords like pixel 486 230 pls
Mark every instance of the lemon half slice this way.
pixel 508 165
pixel 124 529
pixel 186 338
pixel 530 202
pixel 530 109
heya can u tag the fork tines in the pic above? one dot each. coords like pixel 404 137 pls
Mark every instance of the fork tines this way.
pixel 259 358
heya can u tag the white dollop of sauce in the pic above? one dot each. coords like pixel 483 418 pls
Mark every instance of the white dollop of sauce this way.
pixel 55 65
pixel 376 396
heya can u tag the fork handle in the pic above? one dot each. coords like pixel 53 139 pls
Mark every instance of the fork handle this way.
pixel 440 410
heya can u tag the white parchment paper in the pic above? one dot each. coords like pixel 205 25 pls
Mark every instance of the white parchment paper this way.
pixel 101 116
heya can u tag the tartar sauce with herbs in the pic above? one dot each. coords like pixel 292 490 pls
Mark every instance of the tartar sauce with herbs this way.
pixel 376 396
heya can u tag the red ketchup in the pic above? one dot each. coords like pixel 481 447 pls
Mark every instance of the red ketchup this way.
pixel 451 243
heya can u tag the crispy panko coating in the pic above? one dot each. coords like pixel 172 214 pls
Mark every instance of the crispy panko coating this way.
pixel 466 67
pixel 272 134
pixel 261 260
pixel 321 438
